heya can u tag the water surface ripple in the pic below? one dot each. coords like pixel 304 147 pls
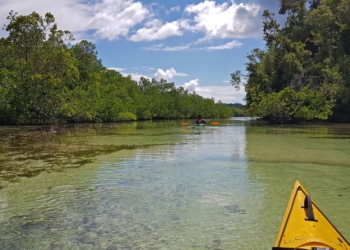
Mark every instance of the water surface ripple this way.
pixel 166 186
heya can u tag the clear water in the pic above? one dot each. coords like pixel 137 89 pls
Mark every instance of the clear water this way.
pixel 160 185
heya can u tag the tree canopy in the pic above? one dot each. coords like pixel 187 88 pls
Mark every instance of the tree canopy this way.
pixel 303 73
pixel 46 78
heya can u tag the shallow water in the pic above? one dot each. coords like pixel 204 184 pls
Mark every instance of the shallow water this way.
pixel 160 185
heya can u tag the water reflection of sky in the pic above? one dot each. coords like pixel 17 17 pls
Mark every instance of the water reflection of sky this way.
pixel 189 190
pixel 180 187
pixel 192 193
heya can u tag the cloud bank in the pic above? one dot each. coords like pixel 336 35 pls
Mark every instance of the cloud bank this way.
pixel 138 22
pixel 167 74
pixel 225 94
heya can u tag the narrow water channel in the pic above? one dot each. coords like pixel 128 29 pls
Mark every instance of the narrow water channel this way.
pixel 161 185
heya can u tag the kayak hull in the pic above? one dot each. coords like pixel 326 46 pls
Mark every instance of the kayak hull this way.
pixel 304 226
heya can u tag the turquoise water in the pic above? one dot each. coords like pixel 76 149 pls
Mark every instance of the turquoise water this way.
pixel 160 185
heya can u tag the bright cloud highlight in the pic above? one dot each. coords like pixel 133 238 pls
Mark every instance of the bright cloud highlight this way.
pixel 167 74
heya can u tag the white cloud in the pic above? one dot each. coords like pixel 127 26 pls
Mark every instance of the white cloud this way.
pixel 108 19
pixel 147 68
pixel 79 14
pixel 225 94
pixel 167 74
pixel 191 85
pixel 155 30
pixel 113 19
pixel 175 9
pixel 229 45
pixel 161 47
pixel 117 69
pixel 225 20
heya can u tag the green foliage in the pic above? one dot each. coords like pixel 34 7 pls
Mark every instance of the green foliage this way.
pixel 239 112
pixel 304 72
pixel 43 79
pixel 37 65
pixel 126 116
pixel 288 105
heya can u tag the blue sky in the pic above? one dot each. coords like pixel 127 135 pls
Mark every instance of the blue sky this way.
pixel 196 44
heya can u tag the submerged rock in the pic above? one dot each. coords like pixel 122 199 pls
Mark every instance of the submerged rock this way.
pixel 234 209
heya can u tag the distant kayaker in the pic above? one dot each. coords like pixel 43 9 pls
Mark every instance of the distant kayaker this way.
pixel 199 120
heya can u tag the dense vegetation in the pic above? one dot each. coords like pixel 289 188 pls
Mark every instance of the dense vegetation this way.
pixel 303 74
pixel 46 79
pixel 239 110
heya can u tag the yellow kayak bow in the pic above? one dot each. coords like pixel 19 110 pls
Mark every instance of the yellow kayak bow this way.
pixel 305 227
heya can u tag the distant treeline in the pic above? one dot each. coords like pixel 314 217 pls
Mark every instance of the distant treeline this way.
pixel 303 74
pixel 45 79
pixel 239 109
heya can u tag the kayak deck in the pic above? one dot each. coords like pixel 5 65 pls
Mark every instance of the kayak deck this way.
pixel 304 226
